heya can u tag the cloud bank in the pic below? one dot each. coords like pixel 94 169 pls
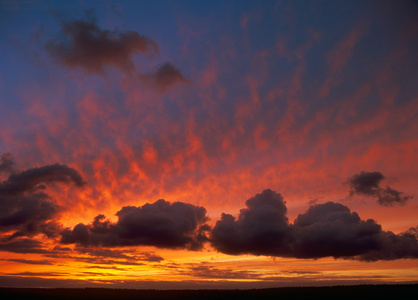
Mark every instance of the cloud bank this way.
pixel 262 228
pixel 161 224
pixel 328 229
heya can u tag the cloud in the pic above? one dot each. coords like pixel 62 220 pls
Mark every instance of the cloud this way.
pixel 207 271
pixel 331 229
pixel 365 183
pixel 393 246
pixel 161 224
pixel 261 229
pixel 218 271
pixel 24 245
pixel 6 163
pixel 328 229
pixel 413 231
pixel 128 255
pixel 390 197
pixel 26 208
pixel 83 44
pixel 165 77
pixel 134 261
pixel 103 256
pixel 368 184
pixel 33 180
pixel 52 274
pixel 31 262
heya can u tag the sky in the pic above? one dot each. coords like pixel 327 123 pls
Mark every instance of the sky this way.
pixel 208 144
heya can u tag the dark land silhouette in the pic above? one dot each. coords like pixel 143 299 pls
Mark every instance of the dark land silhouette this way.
pixel 401 291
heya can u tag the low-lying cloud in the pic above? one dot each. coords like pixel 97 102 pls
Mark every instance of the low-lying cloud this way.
pixel 328 229
pixel 24 246
pixel 161 224
pixel 26 207
pixel 262 228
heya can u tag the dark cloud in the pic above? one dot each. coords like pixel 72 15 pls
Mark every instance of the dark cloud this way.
pixel 24 245
pixel 121 254
pixel 83 44
pixel 204 270
pixel 26 208
pixel 365 183
pixel 101 273
pixel 207 271
pixel 33 180
pixel 261 229
pixel 368 184
pixel 104 267
pixel 331 229
pixel 328 229
pixel 49 274
pixel 96 260
pixel 6 163
pixel 390 197
pixel 160 224
pixel 63 249
pixel 393 246
pixel 104 256
pixel 165 77
pixel 27 215
pixel 413 231
pixel 35 281
pixel 31 262
pixel 219 271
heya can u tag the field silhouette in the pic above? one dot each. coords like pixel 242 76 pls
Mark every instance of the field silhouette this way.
pixel 334 292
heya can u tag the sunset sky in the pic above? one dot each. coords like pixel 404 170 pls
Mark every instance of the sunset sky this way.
pixel 208 144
